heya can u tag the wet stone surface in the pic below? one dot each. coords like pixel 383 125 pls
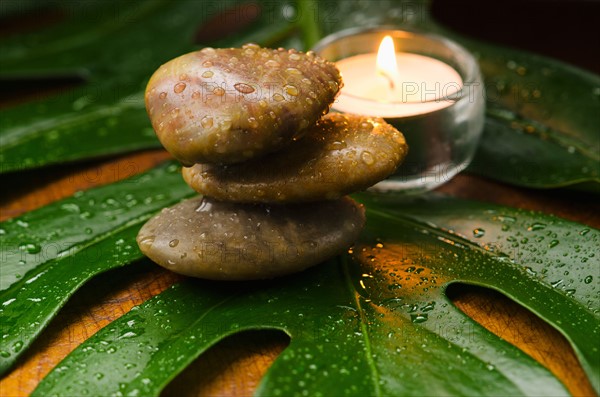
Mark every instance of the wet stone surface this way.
pixel 229 105
pixel 205 238
pixel 340 155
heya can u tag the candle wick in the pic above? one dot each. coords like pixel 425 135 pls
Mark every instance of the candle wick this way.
pixel 389 79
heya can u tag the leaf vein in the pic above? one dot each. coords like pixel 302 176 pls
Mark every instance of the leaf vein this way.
pixel 364 330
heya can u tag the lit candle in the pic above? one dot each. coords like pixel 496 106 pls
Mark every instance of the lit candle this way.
pixel 395 84
pixel 428 87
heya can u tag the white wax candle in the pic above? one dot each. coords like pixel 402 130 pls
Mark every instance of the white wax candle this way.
pixel 421 85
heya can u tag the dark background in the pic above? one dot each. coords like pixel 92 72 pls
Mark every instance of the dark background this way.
pixel 565 29
pixel 568 30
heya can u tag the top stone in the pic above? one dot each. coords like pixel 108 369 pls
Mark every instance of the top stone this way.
pixel 224 106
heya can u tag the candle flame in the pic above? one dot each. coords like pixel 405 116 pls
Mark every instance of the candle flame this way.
pixel 386 60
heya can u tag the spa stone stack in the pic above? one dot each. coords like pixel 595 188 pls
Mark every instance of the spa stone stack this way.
pixel 251 127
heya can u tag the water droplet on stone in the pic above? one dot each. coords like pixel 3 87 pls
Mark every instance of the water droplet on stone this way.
pixel 243 88
pixel 149 240
pixel 291 90
pixel 206 122
pixel 162 95
pixel 173 243
pixel 207 74
pixel 366 126
pixel 272 64
pixel 225 124
pixel 367 158
pixel 179 87
pixel 337 145
pixel 278 97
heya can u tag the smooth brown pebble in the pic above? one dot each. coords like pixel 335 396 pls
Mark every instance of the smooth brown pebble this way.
pixel 340 155
pixel 228 105
pixel 204 238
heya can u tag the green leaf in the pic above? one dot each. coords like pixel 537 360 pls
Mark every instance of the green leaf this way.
pixel 114 47
pixel 377 325
pixel 541 128
pixel 49 253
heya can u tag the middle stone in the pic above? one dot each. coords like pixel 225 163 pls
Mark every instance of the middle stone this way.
pixel 340 155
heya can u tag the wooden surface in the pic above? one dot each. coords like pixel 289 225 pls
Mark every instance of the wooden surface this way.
pixel 235 366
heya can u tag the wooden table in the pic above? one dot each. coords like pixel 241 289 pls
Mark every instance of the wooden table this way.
pixel 235 366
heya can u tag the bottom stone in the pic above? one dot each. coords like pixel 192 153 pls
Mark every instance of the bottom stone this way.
pixel 204 238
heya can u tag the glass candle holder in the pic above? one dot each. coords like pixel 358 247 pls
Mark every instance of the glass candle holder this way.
pixel 437 102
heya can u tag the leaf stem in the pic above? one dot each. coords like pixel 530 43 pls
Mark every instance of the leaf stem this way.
pixel 311 33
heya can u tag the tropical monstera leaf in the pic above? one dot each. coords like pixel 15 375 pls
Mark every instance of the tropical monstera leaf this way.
pixel 377 322
pixel 49 253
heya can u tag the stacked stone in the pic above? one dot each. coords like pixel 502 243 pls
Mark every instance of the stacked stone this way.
pixel 250 126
